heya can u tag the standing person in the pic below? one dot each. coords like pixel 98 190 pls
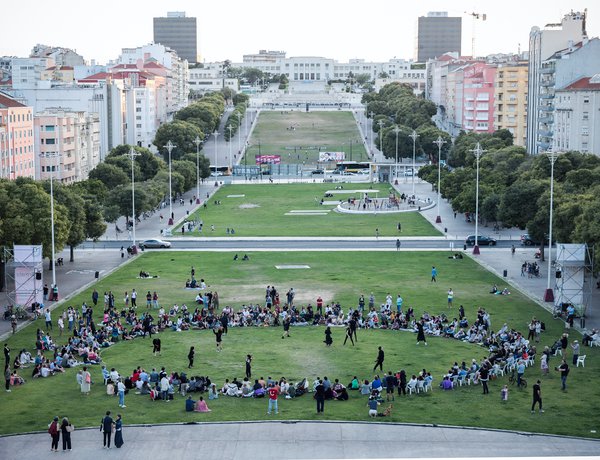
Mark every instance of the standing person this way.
pixel 133 298
pixel 6 354
pixel 320 397
pixel 537 396
pixel 433 274
pixel 402 383
pixel 106 426
pixel 398 244
pixel 504 393
pixel 544 364
pixel 121 392
pixel 564 372
pixel 156 344
pixel 390 383
pixel 575 347
pixel 66 429
pixel 379 360
pixel 191 358
pixel 421 333
pixel 119 431
pixel 248 366
pixel 273 393
pixel 353 323
pixel 86 381
pixel 7 375
pixel 286 326
pixel 155 300
pixel 349 334
pixel 219 337
pixel 484 375
pixel 399 302
pixel 328 340
pixel 61 326
pixel 224 318
pixel 54 430
pixel 450 297
pixel 148 300
pixel 48 317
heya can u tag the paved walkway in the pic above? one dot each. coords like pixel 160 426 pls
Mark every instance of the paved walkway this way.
pixel 315 440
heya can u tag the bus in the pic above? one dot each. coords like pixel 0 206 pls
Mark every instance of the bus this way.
pixel 353 167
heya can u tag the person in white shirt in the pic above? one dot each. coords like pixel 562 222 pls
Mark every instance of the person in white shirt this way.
pixel 114 375
pixel 121 391
pixel 164 388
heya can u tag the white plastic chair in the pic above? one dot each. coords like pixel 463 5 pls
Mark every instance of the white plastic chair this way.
pixel 595 343
pixel 581 359
pixel 427 386
pixel 462 380
pixel 412 388
pixel 420 386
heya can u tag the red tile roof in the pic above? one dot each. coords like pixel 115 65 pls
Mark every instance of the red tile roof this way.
pixel 6 102
pixel 583 84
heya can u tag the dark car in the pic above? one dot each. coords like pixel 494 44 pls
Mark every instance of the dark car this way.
pixel 481 240
pixel 528 241
pixel 315 172
pixel 154 244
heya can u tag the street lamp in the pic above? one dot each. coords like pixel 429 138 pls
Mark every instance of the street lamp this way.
pixel 197 141
pixel 549 294
pixel 414 136
pixel 381 123
pixel 478 151
pixel 52 168
pixel 439 142
pixel 170 146
pixel 216 134
pixel 396 130
pixel 230 128
pixel 132 155
pixel 239 117
pixel 371 113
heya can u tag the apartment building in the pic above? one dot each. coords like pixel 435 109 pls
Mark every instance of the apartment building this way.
pixel 16 139
pixel 510 106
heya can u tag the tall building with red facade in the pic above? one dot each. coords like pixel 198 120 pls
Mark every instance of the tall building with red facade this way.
pixel 16 139
pixel 478 97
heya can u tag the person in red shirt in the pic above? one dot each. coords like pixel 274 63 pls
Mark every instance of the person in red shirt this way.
pixel 273 393
pixel 320 305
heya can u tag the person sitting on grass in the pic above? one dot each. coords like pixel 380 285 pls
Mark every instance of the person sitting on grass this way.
pixel 190 404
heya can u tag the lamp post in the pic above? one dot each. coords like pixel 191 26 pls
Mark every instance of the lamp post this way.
pixel 132 155
pixel 371 113
pixel 478 151
pixel 439 142
pixel 197 141
pixel 216 134
pixel 380 123
pixel 170 146
pixel 230 128
pixel 549 294
pixel 53 167
pixel 239 117
pixel 414 136
pixel 397 131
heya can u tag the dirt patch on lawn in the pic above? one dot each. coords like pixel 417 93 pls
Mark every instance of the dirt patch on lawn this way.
pixel 249 206
pixel 245 294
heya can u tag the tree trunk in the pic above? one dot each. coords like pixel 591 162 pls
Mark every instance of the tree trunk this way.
pixel 71 253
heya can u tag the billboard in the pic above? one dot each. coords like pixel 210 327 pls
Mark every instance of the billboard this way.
pixel 268 159
pixel 332 156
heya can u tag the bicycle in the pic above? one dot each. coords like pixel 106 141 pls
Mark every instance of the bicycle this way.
pixel 512 379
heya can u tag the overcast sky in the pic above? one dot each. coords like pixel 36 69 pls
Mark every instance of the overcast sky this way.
pixel 375 30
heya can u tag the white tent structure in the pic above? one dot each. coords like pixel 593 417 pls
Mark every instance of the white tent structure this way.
pixel 573 277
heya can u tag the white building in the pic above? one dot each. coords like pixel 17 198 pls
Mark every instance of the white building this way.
pixel 211 78
pixel 27 72
pixel 543 43
pixel 577 116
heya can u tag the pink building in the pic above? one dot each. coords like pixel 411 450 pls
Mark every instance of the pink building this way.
pixel 16 139
pixel 478 97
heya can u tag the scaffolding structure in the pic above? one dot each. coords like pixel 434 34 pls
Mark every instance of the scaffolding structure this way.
pixel 24 275
pixel 574 270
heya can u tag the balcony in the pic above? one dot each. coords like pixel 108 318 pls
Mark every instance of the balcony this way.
pixel 547 82
pixel 547 96
pixel 547 108
pixel 545 119
pixel 543 145
pixel 548 134
pixel 547 70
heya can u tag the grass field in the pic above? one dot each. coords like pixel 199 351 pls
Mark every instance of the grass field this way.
pixel 339 276
pixel 262 212
pixel 327 131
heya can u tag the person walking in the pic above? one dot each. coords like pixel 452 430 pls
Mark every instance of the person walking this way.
pixel 156 345
pixel 537 397
pixel 121 392
pixel 320 397
pixel 119 431
pixel 286 326
pixel 575 347
pixel 54 431
pixel 398 244
pixel 379 360
pixel 190 357
pixel 484 375
pixel 248 366
pixel 86 381
pixel 349 335
pixel 328 340
pixel 273 393
pixel 421 333
pixel 433 274
pixel 564 372
pixel 218 337
pixel 106 426
pixel 65 430
pixel 134 298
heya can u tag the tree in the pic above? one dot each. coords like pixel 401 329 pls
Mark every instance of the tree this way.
pixel 203 161
pixel 147 163
pixel 187 169
pixel 362 78
pixel 110 175
pixel 427 135
pixel 519 203
pixel 181 134
pixel 75 205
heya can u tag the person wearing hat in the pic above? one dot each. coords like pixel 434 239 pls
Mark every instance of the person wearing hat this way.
pixel 53 429
pixel 575 347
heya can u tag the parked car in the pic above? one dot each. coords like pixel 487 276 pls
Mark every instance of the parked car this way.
pixel 481 240
pixel 155 244
pixel 316 172
pixel 528 241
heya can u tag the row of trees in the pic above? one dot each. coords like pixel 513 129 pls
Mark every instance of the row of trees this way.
pixel 514 187
pixel 396 108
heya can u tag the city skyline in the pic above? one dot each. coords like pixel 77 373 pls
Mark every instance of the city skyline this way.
pixel 385 30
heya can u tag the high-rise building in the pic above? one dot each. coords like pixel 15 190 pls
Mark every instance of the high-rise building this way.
pixel 178 32
pixel 16 139
pixel 511 100
pixel 543 44
pixel 437 33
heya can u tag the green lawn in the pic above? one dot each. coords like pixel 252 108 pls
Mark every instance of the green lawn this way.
pixel 262 212
pixel 329 131
pixel 339 276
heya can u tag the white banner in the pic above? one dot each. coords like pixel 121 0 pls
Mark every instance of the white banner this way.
pixel 332 156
